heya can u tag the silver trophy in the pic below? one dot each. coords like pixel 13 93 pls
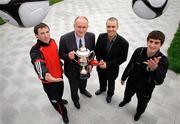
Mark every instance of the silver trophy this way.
pixel 84 56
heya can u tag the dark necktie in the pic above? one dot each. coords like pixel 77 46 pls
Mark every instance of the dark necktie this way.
pixel 80 43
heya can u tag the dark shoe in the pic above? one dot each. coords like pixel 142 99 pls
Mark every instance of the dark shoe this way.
pixel 123 103
pixel 98 92
pixel 65 119
pixel 64 101
pixel 86 93
pixel 77 105
pixel 108 99
pixel 137 116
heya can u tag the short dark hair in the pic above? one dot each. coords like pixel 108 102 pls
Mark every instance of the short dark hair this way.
pixel 112 19
pixel 156 35
pixel 41 25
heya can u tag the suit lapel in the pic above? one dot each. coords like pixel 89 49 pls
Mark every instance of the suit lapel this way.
pixel 86 41
pixel 105 40
pixel 112 48
pixel 73 41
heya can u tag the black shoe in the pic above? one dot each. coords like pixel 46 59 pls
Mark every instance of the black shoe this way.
pixel 64 101
pixel 137 116
pixel 123 103
pixel 98 92
pixel 65 119
pixel 86 93
pixel 77 105
pixel 108 99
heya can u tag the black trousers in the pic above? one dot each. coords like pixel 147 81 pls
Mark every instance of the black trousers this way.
pixel 54 92
pixel 143 96
pixel 75 84
pixel 103 82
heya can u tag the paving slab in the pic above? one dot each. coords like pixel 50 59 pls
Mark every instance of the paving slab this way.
pixel 22 99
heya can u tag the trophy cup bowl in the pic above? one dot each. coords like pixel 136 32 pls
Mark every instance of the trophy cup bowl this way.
pixel 84 55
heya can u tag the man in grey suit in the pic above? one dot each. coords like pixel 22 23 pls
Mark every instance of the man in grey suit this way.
pixel 69 44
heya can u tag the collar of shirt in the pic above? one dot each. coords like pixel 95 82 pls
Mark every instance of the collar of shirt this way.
pixel 41 43
pixel 77 40
pixel 110 43
pixel 113 39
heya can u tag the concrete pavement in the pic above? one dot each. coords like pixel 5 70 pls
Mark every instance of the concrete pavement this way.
pixel 22 99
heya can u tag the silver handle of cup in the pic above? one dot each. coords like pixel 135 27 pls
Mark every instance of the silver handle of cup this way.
pixel 93 55
pixel 75 57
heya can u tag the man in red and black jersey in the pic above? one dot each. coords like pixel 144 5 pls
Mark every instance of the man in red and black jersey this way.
pixel 46 61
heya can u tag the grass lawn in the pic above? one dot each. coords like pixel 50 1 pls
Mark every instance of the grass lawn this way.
pixel 1 21
pixel 174 52
pixel 54 1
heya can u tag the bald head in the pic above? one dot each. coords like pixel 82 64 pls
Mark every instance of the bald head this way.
pixel 80 18
pixel 80 26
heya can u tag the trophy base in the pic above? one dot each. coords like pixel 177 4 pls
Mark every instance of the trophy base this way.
pixel 84 76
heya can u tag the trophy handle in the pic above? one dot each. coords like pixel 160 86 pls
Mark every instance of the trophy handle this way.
pixel 93 55
pixel 76 57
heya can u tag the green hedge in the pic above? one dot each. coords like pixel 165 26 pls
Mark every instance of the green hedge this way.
pixel 174 52
pixel 54 1
pixel 1 21
pixel 51 2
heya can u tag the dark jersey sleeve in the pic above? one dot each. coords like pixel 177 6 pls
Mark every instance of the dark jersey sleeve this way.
pixel 157 76
pixel 38 62
pixel 129 68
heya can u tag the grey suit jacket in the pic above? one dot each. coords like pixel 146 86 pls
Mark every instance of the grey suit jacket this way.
pixel 68 43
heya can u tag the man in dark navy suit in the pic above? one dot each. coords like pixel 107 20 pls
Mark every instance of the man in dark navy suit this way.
pixel 69 44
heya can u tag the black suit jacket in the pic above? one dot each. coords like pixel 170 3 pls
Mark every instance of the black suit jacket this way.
pixel 115 57
pixel 67 44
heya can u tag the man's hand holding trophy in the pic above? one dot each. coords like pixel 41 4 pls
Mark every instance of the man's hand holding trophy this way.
pixel 71 55
pixel 85 58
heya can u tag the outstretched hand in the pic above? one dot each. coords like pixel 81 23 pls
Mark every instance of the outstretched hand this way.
pixel 50 78
pixel 152 64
